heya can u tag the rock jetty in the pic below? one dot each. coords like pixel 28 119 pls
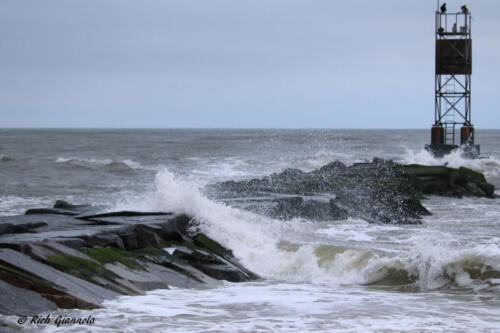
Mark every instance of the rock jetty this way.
pixel 380 191
pixel 70 257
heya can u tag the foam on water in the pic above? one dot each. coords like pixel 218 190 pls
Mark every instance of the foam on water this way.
pixel 437 265
pixel 286 307
pixel 12 205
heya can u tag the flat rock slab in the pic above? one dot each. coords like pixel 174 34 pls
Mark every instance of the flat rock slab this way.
pixel 53 221
pixel 65 250
pixel 172 277
pixel 72 285
pixel 22 302
pixel 124 213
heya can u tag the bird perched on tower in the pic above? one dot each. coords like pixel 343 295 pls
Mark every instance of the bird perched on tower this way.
pixel 465 10
pixel 443 8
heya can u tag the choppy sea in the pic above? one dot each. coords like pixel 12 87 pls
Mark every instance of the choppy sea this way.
pixel 335 276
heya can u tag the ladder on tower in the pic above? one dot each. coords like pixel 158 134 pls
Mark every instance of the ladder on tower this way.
pixel 449 119
pixel 449 128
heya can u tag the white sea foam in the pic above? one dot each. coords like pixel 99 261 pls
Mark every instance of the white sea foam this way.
pixel 13 205
pixel 358 233
pixel 285 307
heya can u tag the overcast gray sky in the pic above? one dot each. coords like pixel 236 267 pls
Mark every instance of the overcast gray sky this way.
pixel 222 63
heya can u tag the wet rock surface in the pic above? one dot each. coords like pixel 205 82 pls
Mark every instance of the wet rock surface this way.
pixel 379 191
pixel 72 256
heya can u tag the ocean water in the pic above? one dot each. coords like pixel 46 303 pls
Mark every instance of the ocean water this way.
pixel 337 276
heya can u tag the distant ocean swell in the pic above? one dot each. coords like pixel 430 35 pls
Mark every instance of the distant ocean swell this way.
pixel 95 162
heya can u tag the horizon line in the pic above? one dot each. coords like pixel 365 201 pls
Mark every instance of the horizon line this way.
pixel 226 128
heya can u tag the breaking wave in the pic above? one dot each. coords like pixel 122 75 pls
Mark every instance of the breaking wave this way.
pixel 92 162
pixel 275 250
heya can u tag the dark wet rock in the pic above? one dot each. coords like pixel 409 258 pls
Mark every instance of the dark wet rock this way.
pixel 288 208
pixel 61 204
pixel 13 246
pixel 49 211
pixel 129 238
pixel 176 229
pixel 124 213
pixel 9 228
pixel 6 228
pixel 212 265
pixel 74 243
pixel 105 239
pixel 147 236
pixel 379 191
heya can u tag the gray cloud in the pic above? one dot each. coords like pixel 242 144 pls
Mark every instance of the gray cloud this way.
pixel 220 63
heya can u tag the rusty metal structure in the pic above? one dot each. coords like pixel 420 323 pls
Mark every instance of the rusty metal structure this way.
pixel 453 84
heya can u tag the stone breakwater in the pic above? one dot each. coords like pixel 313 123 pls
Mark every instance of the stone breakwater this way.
pixel 380 191
pixel 70 257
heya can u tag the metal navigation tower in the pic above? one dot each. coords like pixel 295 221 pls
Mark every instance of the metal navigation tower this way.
pixel 453 83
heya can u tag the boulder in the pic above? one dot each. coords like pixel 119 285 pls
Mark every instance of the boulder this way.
pixel 128 237
pixel 147 236
pixel 105 239
pixel 61 204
